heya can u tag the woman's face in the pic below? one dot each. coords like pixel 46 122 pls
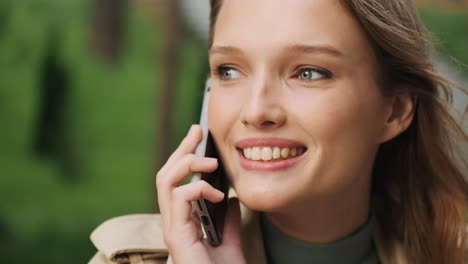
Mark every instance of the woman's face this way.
pixel 293 76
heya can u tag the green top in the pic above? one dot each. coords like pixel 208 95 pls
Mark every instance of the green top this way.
pixel 357 248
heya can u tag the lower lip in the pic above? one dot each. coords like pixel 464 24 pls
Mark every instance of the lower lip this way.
pixel 254 165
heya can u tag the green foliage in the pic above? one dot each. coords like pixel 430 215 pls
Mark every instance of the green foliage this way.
pixel 450 32
pixel 111 126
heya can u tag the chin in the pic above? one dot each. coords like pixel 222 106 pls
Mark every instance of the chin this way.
pixel 263 199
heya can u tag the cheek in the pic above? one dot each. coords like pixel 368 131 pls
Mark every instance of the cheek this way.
pixel 343 128
pixel 222 114
pixel 340 116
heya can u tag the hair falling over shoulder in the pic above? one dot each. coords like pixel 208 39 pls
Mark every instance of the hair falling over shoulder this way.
pixel 420 191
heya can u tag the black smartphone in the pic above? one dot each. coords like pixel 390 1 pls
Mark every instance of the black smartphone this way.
pixel 211 214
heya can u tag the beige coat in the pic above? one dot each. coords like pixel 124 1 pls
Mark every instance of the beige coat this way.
pixel 138 239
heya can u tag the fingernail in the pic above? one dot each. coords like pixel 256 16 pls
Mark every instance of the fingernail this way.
pixel 220 193
pixel 211 160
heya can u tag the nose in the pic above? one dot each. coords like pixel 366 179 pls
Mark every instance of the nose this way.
pixel 263 108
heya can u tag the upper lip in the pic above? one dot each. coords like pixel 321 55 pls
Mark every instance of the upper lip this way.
pixel 268 142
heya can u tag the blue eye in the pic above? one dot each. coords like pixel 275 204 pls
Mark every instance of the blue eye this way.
pixel 310 74
pixel 227 73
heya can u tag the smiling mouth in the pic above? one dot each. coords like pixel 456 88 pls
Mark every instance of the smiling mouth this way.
pixel 269 154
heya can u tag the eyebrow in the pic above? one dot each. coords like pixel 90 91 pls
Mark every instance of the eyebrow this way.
pixel 294 48
pixel 225 50
pixel 302 48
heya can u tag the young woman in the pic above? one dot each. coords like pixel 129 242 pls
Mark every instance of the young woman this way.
pixel 334 131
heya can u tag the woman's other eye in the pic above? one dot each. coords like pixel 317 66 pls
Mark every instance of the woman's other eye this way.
pixel 310 74
pixel 227 73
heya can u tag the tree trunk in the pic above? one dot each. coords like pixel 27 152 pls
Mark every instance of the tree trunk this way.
pixel 171 39
pixel 108 25
pixel 171 34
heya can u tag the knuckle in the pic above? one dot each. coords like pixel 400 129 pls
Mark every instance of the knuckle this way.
pixel 185 160
pixel 203 185
pixel 189 158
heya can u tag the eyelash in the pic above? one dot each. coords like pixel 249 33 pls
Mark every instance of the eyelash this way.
pixel 218 70
pixel 327 74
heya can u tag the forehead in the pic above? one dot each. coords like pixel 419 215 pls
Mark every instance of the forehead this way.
pixel 268 25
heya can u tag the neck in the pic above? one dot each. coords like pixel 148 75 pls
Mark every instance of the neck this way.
pixel 325 219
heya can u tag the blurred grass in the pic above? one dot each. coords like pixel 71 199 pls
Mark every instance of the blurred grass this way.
pixel 111 119
pixel 450 31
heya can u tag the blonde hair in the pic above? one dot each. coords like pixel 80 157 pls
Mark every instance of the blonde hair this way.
pixel 419 192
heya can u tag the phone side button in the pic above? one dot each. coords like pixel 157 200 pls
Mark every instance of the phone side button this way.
pixel 205 220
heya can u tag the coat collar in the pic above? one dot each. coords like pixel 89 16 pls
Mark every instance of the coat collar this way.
pixel 118 238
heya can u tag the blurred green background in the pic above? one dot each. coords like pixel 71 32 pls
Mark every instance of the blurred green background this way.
pixel 96 159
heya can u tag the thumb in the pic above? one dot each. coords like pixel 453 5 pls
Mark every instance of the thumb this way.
pixel 232 224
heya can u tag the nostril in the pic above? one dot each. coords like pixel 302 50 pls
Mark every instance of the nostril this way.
pixel 268 123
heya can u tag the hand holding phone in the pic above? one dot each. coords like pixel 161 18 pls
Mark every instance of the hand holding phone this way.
pixel 182 229
pixel 211 214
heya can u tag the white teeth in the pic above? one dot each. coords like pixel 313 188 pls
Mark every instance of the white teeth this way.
pixel 272 153
pixel 248 153
pixel 267 153
pixel 284 153
pixel 256 153
pixel 276 153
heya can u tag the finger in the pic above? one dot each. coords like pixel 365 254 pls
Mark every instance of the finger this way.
pixel 232 224
pixel 172 179
pixel 190 163
pixel 182 196
pixel 188 145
